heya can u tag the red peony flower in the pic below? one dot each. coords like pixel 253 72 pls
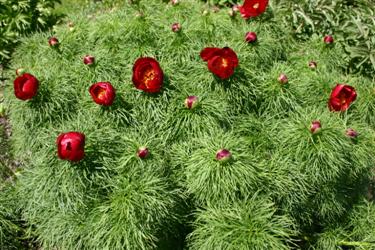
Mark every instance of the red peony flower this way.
pixel 221 62
pixel 71 146
pixel 147 75
pixel 341 97
pixel 26 86
pixel 103 93
pixel 253 8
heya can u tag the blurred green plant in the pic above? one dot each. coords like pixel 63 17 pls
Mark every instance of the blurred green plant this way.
pixel 351 22
pixel 21 17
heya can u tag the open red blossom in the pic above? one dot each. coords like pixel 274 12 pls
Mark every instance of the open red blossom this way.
pixel 71 146
pixel 147 75
pixel 221 62
pixel 103 93
pixel 26 86
pixel 341 97
pixel 253 8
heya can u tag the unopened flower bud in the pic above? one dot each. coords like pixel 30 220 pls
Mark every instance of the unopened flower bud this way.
pixel 315 127
pixel 251 37
pixel 176 27
pixel 191 102
pixel 223 155
pixel 283 79
pixel 142 152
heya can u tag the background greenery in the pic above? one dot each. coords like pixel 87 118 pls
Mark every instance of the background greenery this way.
pixel 284 188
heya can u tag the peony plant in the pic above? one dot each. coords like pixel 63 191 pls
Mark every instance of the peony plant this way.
pixel 196 139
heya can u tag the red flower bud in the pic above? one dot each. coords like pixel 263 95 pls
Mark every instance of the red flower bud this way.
pixel 328 39
pixel 221 62
pixel 313 65
pixel 53 42
pixel 253 8
pixel 176 27
pixel 26 86
pixel 351 133
pixel 71 146
pixel 20 71
pixel 341 97
pixel 223 155
pixel 143 152
pixel 315 127
pixel 147 75
pixel 236 8
pixel 251 37
pixel 191 102
pixel 102 93
pixel 174 2
pixel 89 60
pixel 283 79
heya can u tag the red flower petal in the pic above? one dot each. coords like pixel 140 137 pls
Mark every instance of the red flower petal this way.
pixel 208 53
pixel 253 8
pixel 227 52
pixel 221 66
pixel 221 62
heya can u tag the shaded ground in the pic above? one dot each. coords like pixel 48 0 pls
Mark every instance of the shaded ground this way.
pixel 7 165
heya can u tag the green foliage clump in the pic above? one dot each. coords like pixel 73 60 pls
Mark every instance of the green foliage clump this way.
pixel 351 22
pixel 284 187
pixel 18 18
pixel 247 224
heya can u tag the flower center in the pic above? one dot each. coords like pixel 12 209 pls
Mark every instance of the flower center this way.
pixel 343 98
pixel 224 62
pixel 148 75
pixel 256 6
pixel 101 94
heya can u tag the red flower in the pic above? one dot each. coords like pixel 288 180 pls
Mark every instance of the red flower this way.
pixel 26 86
pixel 253 8
pixel 103 93
pixel 341 97
pixel 147 75
pixel 71 146
pixel 221 62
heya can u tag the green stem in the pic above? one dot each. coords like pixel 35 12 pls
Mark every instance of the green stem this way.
pixel 355 243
